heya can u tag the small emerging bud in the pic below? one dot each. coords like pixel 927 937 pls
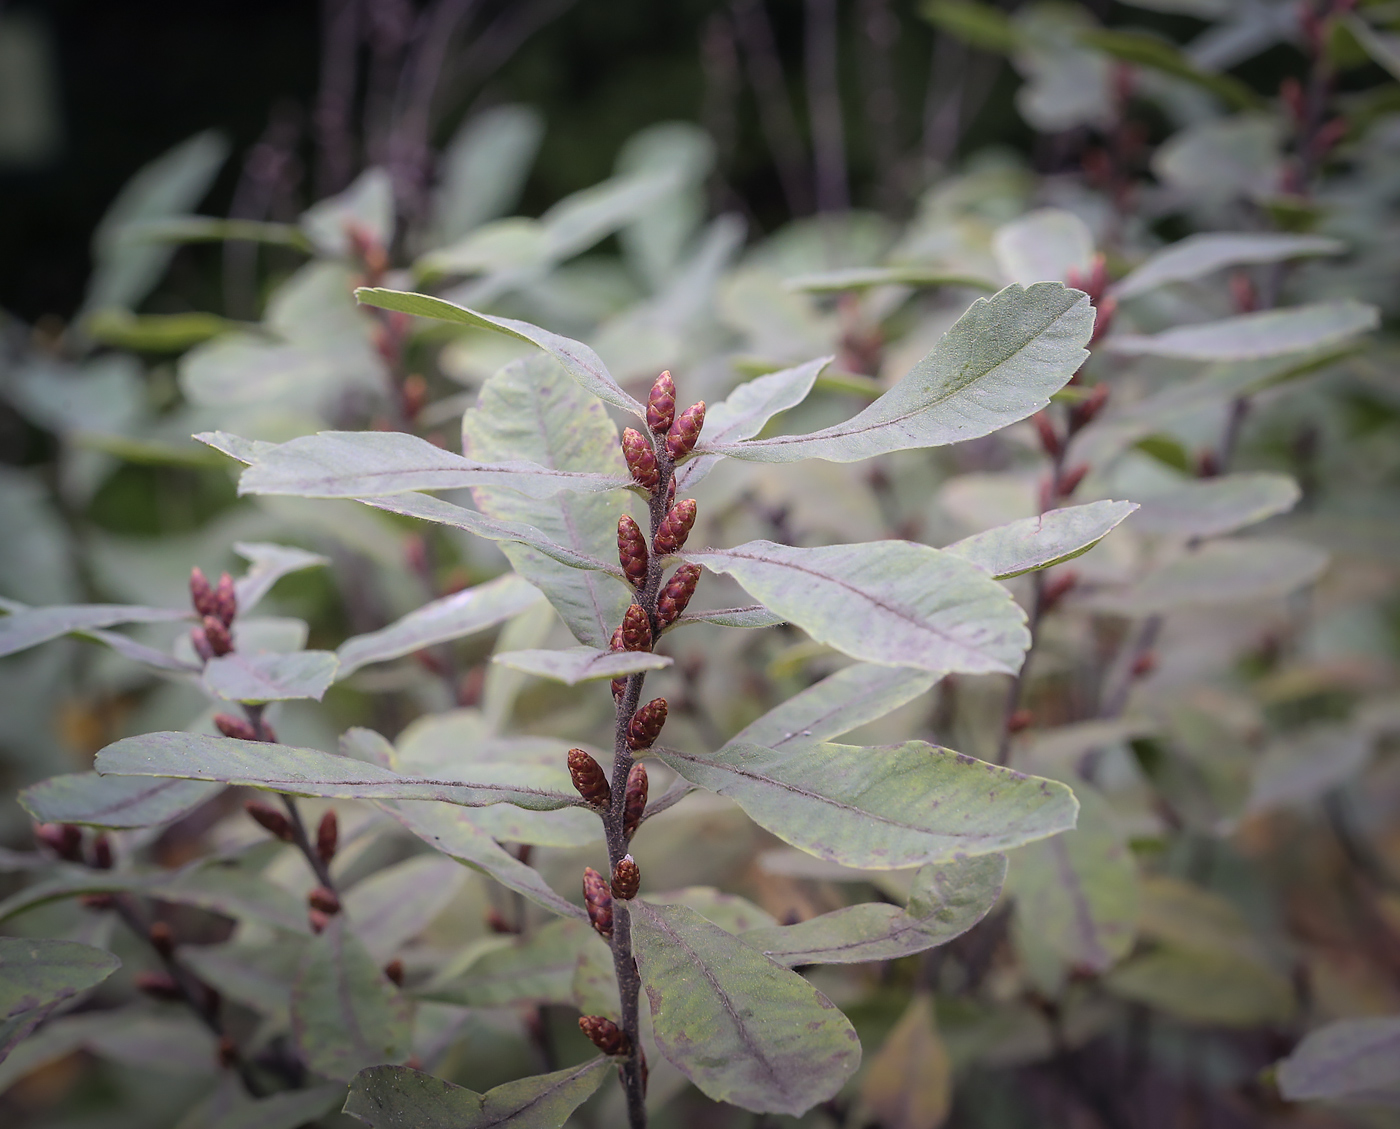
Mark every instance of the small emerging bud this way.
pixel 162 939
pixel 65 840
pixel 1019 720
pixel 675 528
pixel 327 837
pixel 317 920
pixel 238 728
pixel 685 432
pixel 102 852
pixel 228 1052
pixel 636 629
pixel 641 460
pixel 1050 441
pixel 676 594
pixel 661 404
pixel 635 801
pixel 324 899
pixel 626 879
pixel 598 900
pixel 1086 411
pixel 201 593
pixel 414 395
pixel 394 971
pixel 1144 664
pixel 1207 464
pixel 97 901
pixel 271 820
pixel 632 551
pixel 225 601
pixel 589 779
pixel 216 634
pixel 1104 310
pixel 646 723
pixel 497 923
pixel 671 492
pixel 1070 479
pixel 606 1035
pixel 1057 589
pixel 158 985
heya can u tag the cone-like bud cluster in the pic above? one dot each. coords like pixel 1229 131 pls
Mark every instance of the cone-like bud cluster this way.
pixel 675 528
pixel 101 852
pixel 64 839
pixel 661 404
pixel 217 635
pixel 271 820
pixel 327 837
pixel 159 985
pixel 590 779
pixel 685 432
pixel 236 727
pixel 676 594
pixel 606 1035
pixel 225 601
pixel 324 899
pixel 640 460
pixel 635 802
pixel 162 939
pixel 646 723
pixel 632 551
pixel 626 879
pixel 598 898
pixel 636 629
pixel 394 972
pixel 201 593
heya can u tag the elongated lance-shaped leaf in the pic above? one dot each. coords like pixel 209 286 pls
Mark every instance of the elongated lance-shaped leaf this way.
pixel 394 905
pixel 745 412
pixel 268 564
pixel 257 975
pixel 88 799
pixel 288 1110
pixel 837 704
pixel 462 613
pixel 741 1027
pixel 883 808
pixel 1352 1060
pixel 1270 333
pixel 1209 507
pixel 36 972
pixel 387 1097
pixel 1039 542
pixel 889 602
pixel 311 772
pixel 1043 246
pixel 536 968
pixel 581 362
pixel 270 677
pixel 356 464
pixel 581 664
pixel 753 615
pixel 346 1015
pixel 946 901
pixel 863 278
pixel 451 831
pixel 532 410
pixel 999 363
pixel 25 627
pixel 445 513
pixel 1207 252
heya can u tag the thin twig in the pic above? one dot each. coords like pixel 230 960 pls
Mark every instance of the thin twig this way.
pixel 775 112
pixel 824 107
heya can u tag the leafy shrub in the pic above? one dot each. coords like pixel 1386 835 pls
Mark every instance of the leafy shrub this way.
pixel 1174 779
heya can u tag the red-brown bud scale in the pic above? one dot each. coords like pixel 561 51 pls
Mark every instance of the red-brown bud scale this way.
pixel 661 403
pixel 675 527
pixel 646 723
pixel 598 900
pixel 635 801
pixel 327 837
pixel 675 595
pixel 632 551
pixel 626 879
pixel 636 629
pixel 236 727
pixel 589 779
pixel 685 432
pixel 271 820
pixel 606 1035
pixel 641 461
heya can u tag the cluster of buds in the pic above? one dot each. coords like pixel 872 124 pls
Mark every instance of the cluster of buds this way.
pixel 216 606
pixel 64 839
pixel 606 1035
pixel 598 900
pixel 1094 282
pixel 626 879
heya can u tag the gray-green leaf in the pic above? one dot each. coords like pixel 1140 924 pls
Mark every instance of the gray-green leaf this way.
pixel 113 801
pixel 741 1027
pixel 1351 1060
pixel 36 972
pixel 1207 252
pixel 1039 542
pixel 1209 507
pixel 581 664
pixel 28 627
pixel 270 677
pixel 1270 333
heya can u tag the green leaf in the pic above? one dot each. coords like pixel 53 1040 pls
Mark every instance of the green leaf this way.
pixel 1205 253
pixel 1039 542
pixel 1383 49
pixel 451 831
pixel 387 1097
pixel 750 616
pixel 1044 246
pixel 882 808
pixel 1078 891
pixel 208 229
pixel 837 704
pixel 745 412
pixel 1306 764
pixel 357 464
pixel 1270 333
pixel 268 564
pixel 1227 571
pixel 581 664
pixel 581 362
pixel 1200 987
pixel 531 410
pixel 485 166
pixel 287 1110
pixel 730 912
pixel 38 973
pixel 1209 507
pixel 258 976
pixel 742 1028
pixel 1159 55
pixel 463 613
pixel 946 900
pixel 28 627
pixel 998 364
pixel 537 968
pixel 978 24
pixel 270 677
pixel 1350 1060
pixel 113 801
pixel 864 278
pixel 889 602
pixel 153 333
pixel 396 904
pixel 171 1044
pixel 346 1015
pixel 909 1082
pixel 367 204
pixel 311 772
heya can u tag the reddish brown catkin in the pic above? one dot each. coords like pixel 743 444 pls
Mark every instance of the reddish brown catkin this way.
pixel 626 879
pixel 635 801
pixel 675 596
pixel 589 779
pixel 646 723
pixel 632 551
pixel 598 899
pixel 661 404
pixel 685 432
pixel 606 1035
pixel 641 461
pixel 636 629
pixel 675 528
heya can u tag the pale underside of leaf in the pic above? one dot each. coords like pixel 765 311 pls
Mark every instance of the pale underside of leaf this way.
pixel 581 664
pixel 113 801
pixel 1039 542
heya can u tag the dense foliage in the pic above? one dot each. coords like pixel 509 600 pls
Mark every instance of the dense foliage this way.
pixel 886 673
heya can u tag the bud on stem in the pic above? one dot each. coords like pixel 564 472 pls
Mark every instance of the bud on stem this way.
pixel 626 879
pixel 272 820
pixel 632 551
pixel 675 528
pixel 598 899
pixel 236 727
pixel 675 596
pixel 646 723
pixel 641 461
pixel 685 432
pixel 589 779
pixel 162 939
pixel 635 801
pixel 324 899
pixel 327 837
pixel 225 601
pixel 159 985
pixel 64 839
pixel 661 404
pixel 636 629
pixel 201 593
pixel 216 634
pixel 606 1035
